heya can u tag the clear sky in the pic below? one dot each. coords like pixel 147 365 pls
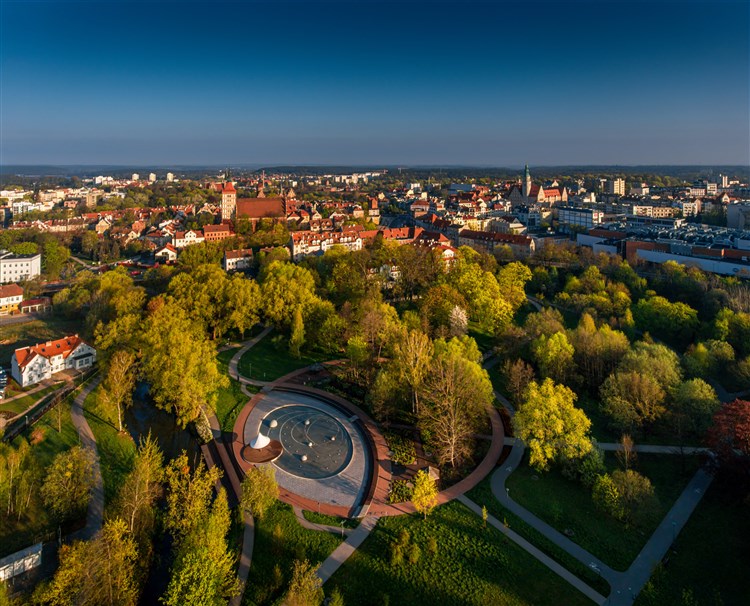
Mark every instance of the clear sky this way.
pixel 490 83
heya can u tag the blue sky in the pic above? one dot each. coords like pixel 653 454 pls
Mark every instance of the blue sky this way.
pixel 490 83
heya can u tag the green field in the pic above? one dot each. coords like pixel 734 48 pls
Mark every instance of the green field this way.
pixel 470 565
pixel 567 505
pixel 116 450
pixel 37 331
pixel 710 561
pixel 231 399
pixel 266 361
pixel 279 541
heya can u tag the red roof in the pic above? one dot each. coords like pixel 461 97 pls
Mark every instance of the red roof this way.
pixel 10 290
pixel 64 346
pixel 259 208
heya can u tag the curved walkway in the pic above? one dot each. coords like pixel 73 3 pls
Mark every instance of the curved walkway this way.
pixel 95 512
pixel 305 523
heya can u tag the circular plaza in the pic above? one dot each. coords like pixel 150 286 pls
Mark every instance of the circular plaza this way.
pixel 320 454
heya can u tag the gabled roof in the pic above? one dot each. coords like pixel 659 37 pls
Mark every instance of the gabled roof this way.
pixel 10 290
pixel 259 208
pixel 64 347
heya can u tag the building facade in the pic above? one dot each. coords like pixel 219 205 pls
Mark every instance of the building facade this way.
pixel 11 296
pixel 36 363
pixel 19 268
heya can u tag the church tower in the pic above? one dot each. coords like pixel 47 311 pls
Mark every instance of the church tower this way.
pixel 526 182
pixel 228 201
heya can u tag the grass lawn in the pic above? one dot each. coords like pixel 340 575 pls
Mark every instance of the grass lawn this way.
pixel 711 557
pixel 485 341
pixel 231 399
pixel 22 404
pixel 565 504
pixel 267 362
pixel 39 330
pixel 472 565
pixel 321 518
pixel 279 541
pixel 35 523
pixel 116 450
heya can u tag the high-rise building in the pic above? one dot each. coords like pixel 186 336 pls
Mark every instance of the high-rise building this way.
pixel 723 181
pixel 616 187
pixel 152 177
pixel 170 177
pixel 135 177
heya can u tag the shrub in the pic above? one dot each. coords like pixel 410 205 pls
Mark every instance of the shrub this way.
pixel 402 448
pixel 400 492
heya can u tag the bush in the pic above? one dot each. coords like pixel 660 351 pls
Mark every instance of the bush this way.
pixel 586 469
pixel 400 492
pixel 402 448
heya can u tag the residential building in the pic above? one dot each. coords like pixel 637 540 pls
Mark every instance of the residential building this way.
pixel 181 239
pixel 306 243
pixel 616 187
pixel 11 296
pixel 18 268
pixel 170 177
pixel 213 233
pixel 36 363
pixel 166 254
pixel 152 177
pixel 238 260
pixel 639 189
pixel 489 242
pixel 738 216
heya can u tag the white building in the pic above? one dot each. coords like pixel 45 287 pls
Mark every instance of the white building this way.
pixel 640 189
pixel 18 268
pixel 616 187
pixel 170 177
pixel 152 177
pixel 36 363
pixel 135 177
pixel 306 243
pixel 186 238
pixel 238 259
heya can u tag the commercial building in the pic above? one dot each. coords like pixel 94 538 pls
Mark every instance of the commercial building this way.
pixel 570 218
pixel 19 268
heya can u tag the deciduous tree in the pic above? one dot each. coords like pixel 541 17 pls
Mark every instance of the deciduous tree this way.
pixel 424 495
pixel 68 482
pixel 259 490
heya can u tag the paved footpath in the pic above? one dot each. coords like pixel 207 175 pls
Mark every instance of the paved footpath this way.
pixel 537 553
pixel 95 513
pixel 234 371
pixel 334 561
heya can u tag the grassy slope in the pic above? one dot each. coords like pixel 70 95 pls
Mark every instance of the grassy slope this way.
pixel 231 399
pixel 711 557
pixel 472 566
pixel 279 540
pixel 116 451
pixel 266 362
pixel 568 505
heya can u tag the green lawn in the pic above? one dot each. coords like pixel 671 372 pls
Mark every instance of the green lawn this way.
pixel 565 504
pixel 279 541
pixel 29 333
pixel 485 341
pixel 472 565
pixel 231 399
pixel 36 524
pixel 321 518
pixel 267 362
pixel 711 557
pixel 22 404
pixel 116 450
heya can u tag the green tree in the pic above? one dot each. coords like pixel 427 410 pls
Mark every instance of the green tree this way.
pixel 305 588
pixel 425 494
pixel 550 424
pixel 636 494
pixel 411 361
pixel 655 360
pixel 456 393
pixel 336 599
pixel 68 483
pixel 259 490
pixel 632 400
pixel 554 355
pixel 606 496
pixel 179 362
pixel 512 279
pixel 286 287
pixel 597 350
pixel 117 389
pixel 188 495
pixel 694 403
pixel 297 339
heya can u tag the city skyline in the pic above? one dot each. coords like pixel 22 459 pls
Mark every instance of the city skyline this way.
pixel 487 84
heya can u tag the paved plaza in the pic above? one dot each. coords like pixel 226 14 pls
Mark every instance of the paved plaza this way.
pixel 324 459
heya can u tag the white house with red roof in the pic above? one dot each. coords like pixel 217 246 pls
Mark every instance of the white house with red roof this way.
pixel 36 363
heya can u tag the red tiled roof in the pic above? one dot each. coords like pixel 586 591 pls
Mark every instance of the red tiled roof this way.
pixel 214 229
pixel 10 290
pixel 259 208
pixel 64 346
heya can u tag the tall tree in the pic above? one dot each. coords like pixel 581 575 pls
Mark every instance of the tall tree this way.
pixel 693 404
pixel 179 362
pixel 117 389
pixel 456 393
pixel 411 360
pixel 306 588
pixel 67 485
pixel 259 490
pixel 632 400
pixel 550 424
pixel 554 355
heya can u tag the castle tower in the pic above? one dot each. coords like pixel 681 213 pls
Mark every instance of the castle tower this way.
pixel 526 182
